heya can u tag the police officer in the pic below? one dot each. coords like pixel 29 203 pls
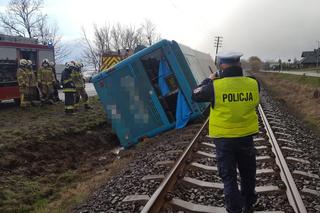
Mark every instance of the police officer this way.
pixel 80 86
pixel 69 88
pixel 46 80
pixel 233 122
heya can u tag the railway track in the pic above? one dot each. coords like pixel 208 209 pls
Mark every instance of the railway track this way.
pixel 193 184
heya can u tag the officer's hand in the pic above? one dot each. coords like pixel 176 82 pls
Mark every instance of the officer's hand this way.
pixel 212 76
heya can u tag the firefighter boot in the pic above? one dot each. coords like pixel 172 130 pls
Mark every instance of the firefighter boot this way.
pixel 69 111
pixel 86 106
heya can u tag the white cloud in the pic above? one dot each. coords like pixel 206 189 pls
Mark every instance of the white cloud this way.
pixel 267 28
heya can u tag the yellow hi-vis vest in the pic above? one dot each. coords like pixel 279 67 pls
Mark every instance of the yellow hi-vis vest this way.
pixel 234 113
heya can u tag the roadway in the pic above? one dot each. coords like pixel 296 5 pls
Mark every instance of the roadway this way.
pixel 91 91
pixel 307 73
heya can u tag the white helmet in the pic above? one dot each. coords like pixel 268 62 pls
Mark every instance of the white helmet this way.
pixel 23 62
pixel 45 61
pixel 70 64
pixel 29 62
pixel 51 63
pixel 78 64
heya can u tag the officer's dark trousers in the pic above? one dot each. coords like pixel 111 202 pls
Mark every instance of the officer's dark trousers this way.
pixel 233 153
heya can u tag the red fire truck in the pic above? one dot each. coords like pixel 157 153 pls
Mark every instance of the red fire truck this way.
pixel 12 49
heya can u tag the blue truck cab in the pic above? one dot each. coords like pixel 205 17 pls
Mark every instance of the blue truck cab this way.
pixel 141 93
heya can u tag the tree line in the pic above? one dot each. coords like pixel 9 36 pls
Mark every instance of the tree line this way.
pixel 114 38
pixel 26 18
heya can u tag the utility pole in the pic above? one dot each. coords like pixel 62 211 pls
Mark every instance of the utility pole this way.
pixel 217 44
pixel 317 52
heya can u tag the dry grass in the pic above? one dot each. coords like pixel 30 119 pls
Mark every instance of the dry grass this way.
pixel 48 161
pixel 73 196
pixel 296 92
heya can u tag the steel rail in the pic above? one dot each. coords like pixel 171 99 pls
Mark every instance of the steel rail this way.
pixel 292 192
pixel 159 197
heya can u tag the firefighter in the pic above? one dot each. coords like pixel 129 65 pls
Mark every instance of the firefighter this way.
pixel 56 85
pixel 232 123
pixel 23 83
pixel 80 86
pixel 33 89
pixel 46 80
pixel 69 88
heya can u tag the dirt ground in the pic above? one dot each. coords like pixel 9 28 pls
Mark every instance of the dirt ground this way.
pixel 298 94
pixel 50 162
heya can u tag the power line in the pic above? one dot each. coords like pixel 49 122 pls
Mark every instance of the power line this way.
pixel 217 44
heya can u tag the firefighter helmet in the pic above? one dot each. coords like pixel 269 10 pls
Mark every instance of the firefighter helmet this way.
pixel 51 64
pixel 29 62
pixel 78 64
pixel 23 62
pixel 69 64
pixel 45 61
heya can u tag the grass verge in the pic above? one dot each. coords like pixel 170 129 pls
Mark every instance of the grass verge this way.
pixel 49 161
pixel 297 93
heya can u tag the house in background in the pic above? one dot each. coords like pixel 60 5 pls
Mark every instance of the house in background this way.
pixel 310 58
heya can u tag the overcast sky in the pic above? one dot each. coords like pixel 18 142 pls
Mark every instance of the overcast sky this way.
pixel 270 29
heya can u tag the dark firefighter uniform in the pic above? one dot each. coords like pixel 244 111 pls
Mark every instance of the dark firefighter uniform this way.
pixel 46 81
pixel 78 80
pixel 232 123
pixel 69 88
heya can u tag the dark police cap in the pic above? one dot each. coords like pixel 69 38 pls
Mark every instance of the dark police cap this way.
pixel 229 57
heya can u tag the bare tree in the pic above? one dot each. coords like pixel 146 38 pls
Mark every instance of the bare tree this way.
pixel 149 31
pixel 113 39
pixel 61 50
pixel 129 37
pixel 255 63
pixel 43 31
pixel 48 34
pixel 102 38
pixel 116 36
pixel 90 55
pixel 24 18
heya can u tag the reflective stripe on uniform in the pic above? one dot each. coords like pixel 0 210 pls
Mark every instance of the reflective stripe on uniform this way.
pixel 46 83
pixel 67 81
pixel 234 112
pixel 69 90
pixel 69 107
